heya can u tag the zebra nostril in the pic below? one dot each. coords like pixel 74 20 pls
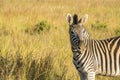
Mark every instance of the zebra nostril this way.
pixel 72 32
pixel 79 48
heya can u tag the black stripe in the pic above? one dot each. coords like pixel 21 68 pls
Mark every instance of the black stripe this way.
pixel 101 51
pixel 90 68
pixel 82 64
pixel 86 57
pixel 79 62
pixel 94 49
pixel 119 61
pixel 98 47
pixel 74 58
pixel 106 64
pixel 77 56
pixel 102 47
pixel 111 45
pixel 77 67
pixel 110 39
pixel 73 39
pixel 110 62
pixel 107 57
pixel 115 55
pixel 96 53
pixel 113 42
pixel 110 57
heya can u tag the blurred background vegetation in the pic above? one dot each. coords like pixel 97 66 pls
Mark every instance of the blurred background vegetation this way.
pixel 34 39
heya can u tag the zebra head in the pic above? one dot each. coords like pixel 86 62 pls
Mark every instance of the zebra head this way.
pixel 76 28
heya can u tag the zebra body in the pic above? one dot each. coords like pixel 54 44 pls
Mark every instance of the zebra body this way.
pixel 92 57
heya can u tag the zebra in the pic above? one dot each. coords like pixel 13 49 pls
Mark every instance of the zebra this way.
pixel 92 57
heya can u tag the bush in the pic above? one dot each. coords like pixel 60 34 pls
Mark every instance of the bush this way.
pixel 38 28
pixel 98 26
pixel 117 31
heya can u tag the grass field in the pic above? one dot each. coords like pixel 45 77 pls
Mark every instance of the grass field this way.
pixel 28 52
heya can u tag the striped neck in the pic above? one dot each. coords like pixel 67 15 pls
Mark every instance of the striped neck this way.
pixel 80 48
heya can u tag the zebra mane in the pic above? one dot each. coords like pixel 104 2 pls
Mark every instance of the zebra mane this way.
pixel 75 19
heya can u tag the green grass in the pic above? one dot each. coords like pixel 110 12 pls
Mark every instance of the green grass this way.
pixel 47 55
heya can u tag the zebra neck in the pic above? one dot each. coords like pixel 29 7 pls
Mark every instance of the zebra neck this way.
pixel 76 51
pixel 79 48
pixel 84 43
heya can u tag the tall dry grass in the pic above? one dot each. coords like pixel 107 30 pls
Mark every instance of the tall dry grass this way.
pixel 47 56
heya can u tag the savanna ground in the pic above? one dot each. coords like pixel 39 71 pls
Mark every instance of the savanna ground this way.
pixel 34 39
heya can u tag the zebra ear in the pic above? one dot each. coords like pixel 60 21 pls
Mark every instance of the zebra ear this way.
pixel 69 18
pixel 83 19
